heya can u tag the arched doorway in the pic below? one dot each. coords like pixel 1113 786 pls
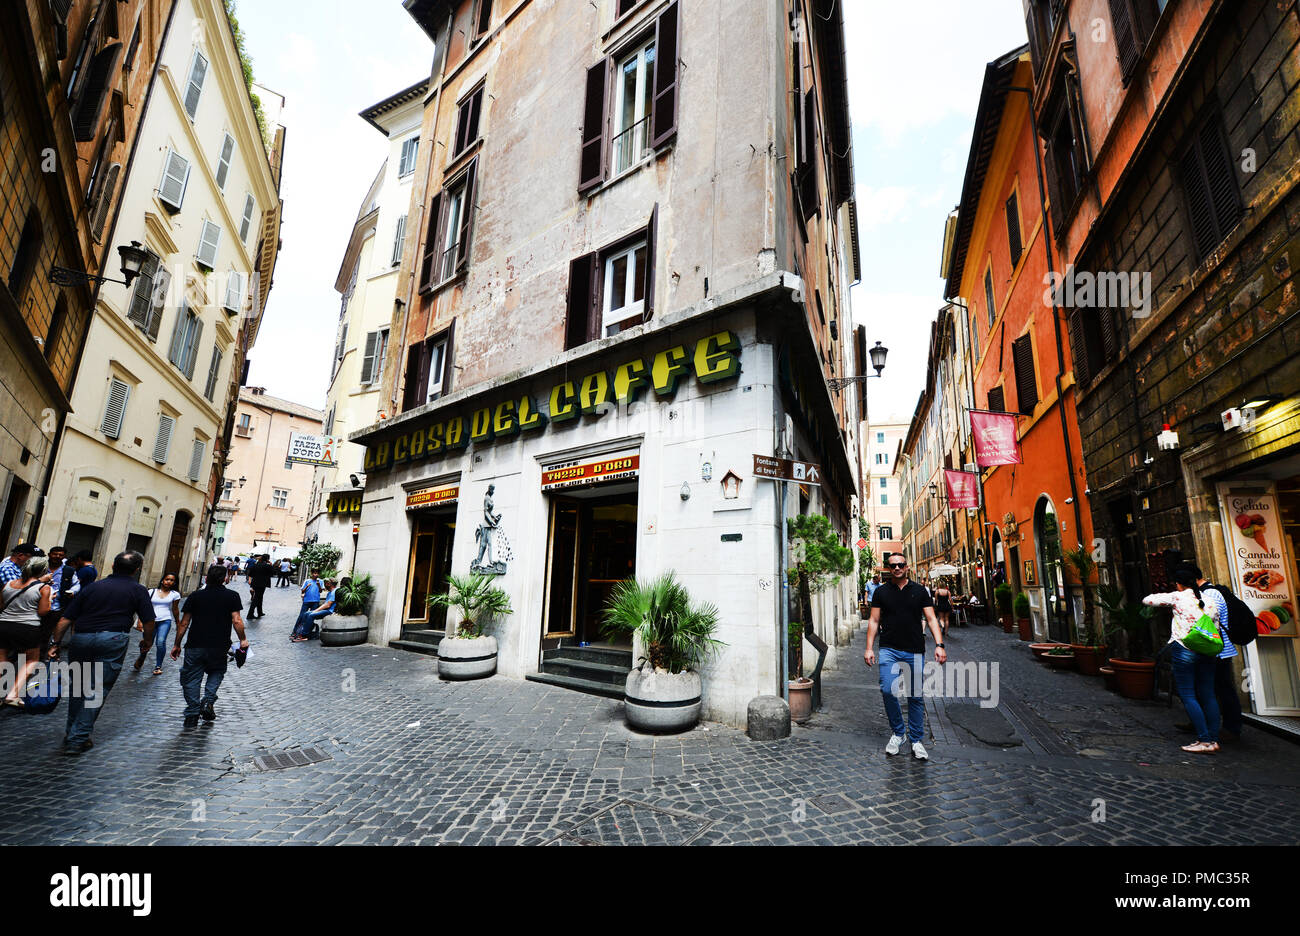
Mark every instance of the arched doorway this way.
pixel 176 544
pixel 1051 569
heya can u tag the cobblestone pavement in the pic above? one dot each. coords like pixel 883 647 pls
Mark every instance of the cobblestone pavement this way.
pixel 414 760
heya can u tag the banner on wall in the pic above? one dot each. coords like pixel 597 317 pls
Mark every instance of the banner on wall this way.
pixel 995 438
pixel 963 488
pixel 1252 529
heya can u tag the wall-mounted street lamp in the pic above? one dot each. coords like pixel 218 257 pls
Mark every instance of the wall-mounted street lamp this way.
pixel 242 481
pixel 133 257
pixel 877 355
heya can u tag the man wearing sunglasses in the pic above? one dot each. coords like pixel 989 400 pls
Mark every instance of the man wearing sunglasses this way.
pixel 898 609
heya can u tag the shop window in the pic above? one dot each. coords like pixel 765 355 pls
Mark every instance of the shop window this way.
pixel 1209 185
pixel 612 290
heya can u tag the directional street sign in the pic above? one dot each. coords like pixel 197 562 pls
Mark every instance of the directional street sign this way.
pixel 782 469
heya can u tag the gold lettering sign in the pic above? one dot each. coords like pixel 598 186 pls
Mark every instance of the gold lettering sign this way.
pixel 481 425
pixel 503 420
pixel 562 408
pixel 432 497
pixel 594 393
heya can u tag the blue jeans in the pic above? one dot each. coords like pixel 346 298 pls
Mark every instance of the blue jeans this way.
pixel 1225 693
pixel 901 675
pixel 107 648
pixel 307 622
pixel 160 632
pixel 1194 677
pixel 200 661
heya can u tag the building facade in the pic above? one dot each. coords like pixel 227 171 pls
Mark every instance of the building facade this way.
pixel 135 464
pixel 881 502
pixel 587 361
pixel 74 80
pixel 367 281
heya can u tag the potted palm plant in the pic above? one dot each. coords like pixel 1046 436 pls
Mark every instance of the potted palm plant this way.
pixel 1002 596
pixel 1135 670
pixel 1090 651
pixel 663 693
pixel 348 625
pixel 1024 618
pixel 469 653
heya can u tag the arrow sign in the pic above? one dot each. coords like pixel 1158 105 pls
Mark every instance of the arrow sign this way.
pixel 783 469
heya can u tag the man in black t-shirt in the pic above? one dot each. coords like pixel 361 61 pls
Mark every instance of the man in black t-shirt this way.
pixel 898 609
pixel 259 580
pixel 212 612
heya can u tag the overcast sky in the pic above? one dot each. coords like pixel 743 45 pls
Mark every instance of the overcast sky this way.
pixel 914 84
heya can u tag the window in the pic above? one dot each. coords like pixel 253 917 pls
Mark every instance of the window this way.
pixel 196 459
pixel 623 7
pixel 209 238
pixel 988 296
pixel 451 224
pixel 1013 230
pixel 437 369
pixel 482 20
pixel 227 492
pixel 467 121
pixel 624 289
pixel 880 438
pixel 175 177
pixel 884 500
pixel 1039 23
pixel 372 362
pixel 1094 341
pixel 450 246
pixel 92 97
pixel 1067 162
pixel 882 458
pixel 1209 185
pixel 223 160
pixel 185 340
pixel 245 420
pixel 24 262
pixel 399 241
pixel 132 47
pixel 428 375
pixel 885 531
pixel 1022 356
pixel 329 422
pixel 279 497
pixel 406 164
pixel 631 104
pixel 1132 22
pixel 163 441
pixel 114 408
pixel 214 370
pixel 246 222
pixel 997 400
pixel 613 289
pixel 884 483
pixel 341 345
pixel 194 87
pixel 233 300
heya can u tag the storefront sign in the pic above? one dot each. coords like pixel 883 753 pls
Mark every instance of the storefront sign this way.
pixel 995 438
pixel 432 497
pixel 609 469
pixel 344 503
pixel 313 449
pixel 714 358
pixel 963 488
pixel 1261 575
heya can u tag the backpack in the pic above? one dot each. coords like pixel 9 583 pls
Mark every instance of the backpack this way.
pixel 44 699
pixel 1241 620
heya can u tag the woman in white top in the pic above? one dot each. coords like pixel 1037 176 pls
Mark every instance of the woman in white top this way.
pixel 25 600
pixel 166 601
pixel 1193 672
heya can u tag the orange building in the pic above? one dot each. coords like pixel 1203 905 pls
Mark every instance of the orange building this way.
pixel 998 259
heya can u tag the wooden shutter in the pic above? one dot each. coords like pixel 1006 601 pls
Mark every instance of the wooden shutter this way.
pixel 209 238
pixel 1022 357
pixel 1126 40
pixel 214 368
pixel 234 291
pixel 664 104
pixel 178 335
pixel 1013 229
pixel 246 222
pixel 192 349
pixel 158 301
pixel 223 161
pixel 162 443
pixel 115 408
pixel 581 300
pixel 997 400
pixel 593 154
pixel 483 21
pixel 647 312
pixel 105 200
pixel 447 370
pixel 399 240
pixel 430 243
pixel 807 171
pixel 196 459
pixel 1109 335
pixel 94 93
pixel 1079 347
pixel 467 118
pixel 1035 42
pixel 176 176
pixel 467 212
pixel 368 359
pixel 194 87
pixel 142 294
pixel 411 396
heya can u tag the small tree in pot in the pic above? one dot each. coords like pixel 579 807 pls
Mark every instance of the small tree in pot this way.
pixel 1024 617
pixel 348 625
pixel 1002 596
pixel 469 653
pixel 1089 648
pixel 676 636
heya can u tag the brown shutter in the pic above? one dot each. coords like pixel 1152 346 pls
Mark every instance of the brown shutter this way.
pixel 592 163
pixel 105 200
pixel 1022 357
pixel 580 300
pixel 664 106
pixel 430 243
pixel 1054 193
pixel 1126 40
pixel 447 354
pixel 410 385
pixel 1220 177
pixel 997 400
pixel 807 172
pixel 1109 336
pixel 650 265
pixel 1079 347
pixel 467 216
pixel 1013 229
pixel 1035 43
pixel 94 93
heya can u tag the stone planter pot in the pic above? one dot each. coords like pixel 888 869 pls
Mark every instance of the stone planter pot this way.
pixel 801 699
pixel 1089 658
pixel 1134 680
pixel 1107 674
pixel 1038 649
pixel 467 657
pixel 659 701
pixel 344 630
pixel 1026 626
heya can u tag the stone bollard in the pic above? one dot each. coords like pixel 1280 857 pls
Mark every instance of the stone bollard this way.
pixel 769 718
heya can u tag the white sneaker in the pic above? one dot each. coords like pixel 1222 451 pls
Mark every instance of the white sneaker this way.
pixel 919 752
pixel 895 742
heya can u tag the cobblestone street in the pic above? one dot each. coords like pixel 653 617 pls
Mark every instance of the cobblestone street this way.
pixel 414 760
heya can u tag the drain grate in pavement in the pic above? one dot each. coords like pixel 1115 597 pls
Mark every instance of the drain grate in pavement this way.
pixel 297 758
pixel 833 803
pixel 630 823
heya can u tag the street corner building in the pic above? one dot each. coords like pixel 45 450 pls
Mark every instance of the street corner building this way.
pixel 632 240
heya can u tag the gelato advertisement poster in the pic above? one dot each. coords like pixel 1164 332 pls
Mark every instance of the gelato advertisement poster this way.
pixel 1261 575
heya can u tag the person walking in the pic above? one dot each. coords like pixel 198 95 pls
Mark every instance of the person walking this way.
pixel 103 613
pixel 24 601
pixel 871 587
pixel 309 623
pixel 12 568
pixel 208 615
pixel 943 605
pixel 1225 688
pixel 259 580
pixel 900 610
pixel 310 599
pixel 166 601
pixel 1193 672
pixel 285 568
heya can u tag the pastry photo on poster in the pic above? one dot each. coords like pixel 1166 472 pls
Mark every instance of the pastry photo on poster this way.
pixel 1261 576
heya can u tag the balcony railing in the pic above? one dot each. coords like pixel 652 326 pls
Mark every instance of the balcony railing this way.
pixel 629 147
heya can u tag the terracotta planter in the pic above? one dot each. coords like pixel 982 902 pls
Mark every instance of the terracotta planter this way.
pixel 1038 649
pixel 1008 623
pixel 1108 676
pixel 1134 680
pixel 801 699
pixel 1026 626
pixel 1059 661
pixel 1089 658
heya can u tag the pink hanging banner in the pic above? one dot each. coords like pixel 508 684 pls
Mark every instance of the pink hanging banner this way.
pixel 995 438
pixel 963 488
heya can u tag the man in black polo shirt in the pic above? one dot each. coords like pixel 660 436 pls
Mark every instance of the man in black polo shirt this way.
pixel 259 580
pixel 103 612
pixel 897 610
pixel 212 611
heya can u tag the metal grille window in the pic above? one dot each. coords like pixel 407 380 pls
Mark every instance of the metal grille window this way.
pixel 115 408
pixel 1022 354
